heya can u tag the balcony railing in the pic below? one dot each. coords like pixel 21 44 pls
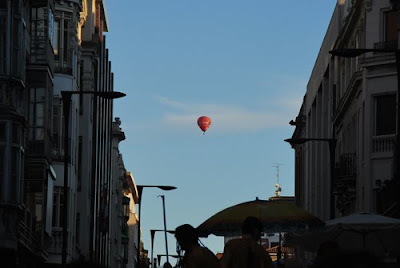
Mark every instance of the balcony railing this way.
pixel 57 239
pixel 347 165
pixel 63 61
pixel 42 52
pixel 345 183
pixel 31 234
pixel 38 148
pixel 383 144
pixel 57 152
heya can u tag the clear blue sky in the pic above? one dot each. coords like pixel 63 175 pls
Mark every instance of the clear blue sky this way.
pixel 245 64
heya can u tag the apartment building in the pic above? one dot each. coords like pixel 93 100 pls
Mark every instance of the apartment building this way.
pixel 46 47
pixel 346 130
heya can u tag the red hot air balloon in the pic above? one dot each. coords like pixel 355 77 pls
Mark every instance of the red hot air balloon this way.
pixel 204 123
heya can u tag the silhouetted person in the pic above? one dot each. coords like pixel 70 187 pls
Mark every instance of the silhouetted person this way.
pixel 246 252
pixel 167 265
pixel 195 255
pixel 328 255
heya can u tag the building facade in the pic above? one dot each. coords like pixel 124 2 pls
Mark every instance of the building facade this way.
pixel 346 130
pixel 123 216
pixel 46 47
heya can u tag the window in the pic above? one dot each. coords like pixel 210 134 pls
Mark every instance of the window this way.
pixel 50 30
pixel 58 206
pixel 57 129
pixel 37 103
pixel 11 36
pixel 78 229
pixel 61 42
pixel 385 118
pixel 390 25
pixel 3 30
pixel 2 164
pixel 80 152
pixel 11 160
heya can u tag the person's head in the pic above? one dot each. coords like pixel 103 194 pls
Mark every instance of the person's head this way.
pixel 167 265
pixel 186 236
pixel 253 227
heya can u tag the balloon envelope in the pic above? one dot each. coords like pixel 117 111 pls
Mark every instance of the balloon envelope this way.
pixel 204 123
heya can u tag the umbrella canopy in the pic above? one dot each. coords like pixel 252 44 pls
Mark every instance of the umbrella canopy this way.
pixel 276 216
pixel 374 233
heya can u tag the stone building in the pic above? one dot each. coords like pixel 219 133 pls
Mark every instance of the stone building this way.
pixel 346 130
pixel 46 47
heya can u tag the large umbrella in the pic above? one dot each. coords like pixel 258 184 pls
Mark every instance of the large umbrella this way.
pixel 276 216
pixel 374 233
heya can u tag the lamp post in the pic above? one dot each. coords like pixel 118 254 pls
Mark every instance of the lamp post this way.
pixel 140 191
pixel 152 234
pixel 66 100
pixel 165 227
pixel 355 52
pixel 332 156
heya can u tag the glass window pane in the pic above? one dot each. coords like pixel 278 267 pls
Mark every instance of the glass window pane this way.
pixel 391 26
pixel 16 135
pixel 40 94
pixel 54 223
pixel 39 134
pixel 2 158
pixel 386 115
pixel 2 131
pixel 14 160
pixel 39 114
pixel 65 45
pixel 56 43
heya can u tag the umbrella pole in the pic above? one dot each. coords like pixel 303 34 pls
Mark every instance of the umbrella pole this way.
pixel 279 250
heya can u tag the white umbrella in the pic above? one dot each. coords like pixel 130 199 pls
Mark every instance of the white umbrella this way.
pixel 375 233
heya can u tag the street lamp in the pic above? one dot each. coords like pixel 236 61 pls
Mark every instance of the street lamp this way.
pixel 66 100
pixel 355 52
pixel 332 156
pixel 165 226
pixel 152 234
pixel 140 190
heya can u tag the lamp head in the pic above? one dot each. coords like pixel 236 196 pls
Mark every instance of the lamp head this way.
pixel 167 188
pixel 110 94
pixel 296 141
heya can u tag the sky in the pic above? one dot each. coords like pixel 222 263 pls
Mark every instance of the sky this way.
pixel 243 63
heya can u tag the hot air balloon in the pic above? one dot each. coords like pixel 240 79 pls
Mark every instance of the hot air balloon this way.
pixel 204 123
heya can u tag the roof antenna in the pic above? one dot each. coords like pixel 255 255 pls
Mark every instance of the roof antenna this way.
pixel 277 185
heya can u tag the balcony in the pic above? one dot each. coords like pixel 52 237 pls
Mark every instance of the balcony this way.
pixel 57 239
pixel 42 52
pixel 346 167
pixel 63 61
pixel 57 151
pixel 38 148
pixel 32 235
pixel 383 145
pixel 345 183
